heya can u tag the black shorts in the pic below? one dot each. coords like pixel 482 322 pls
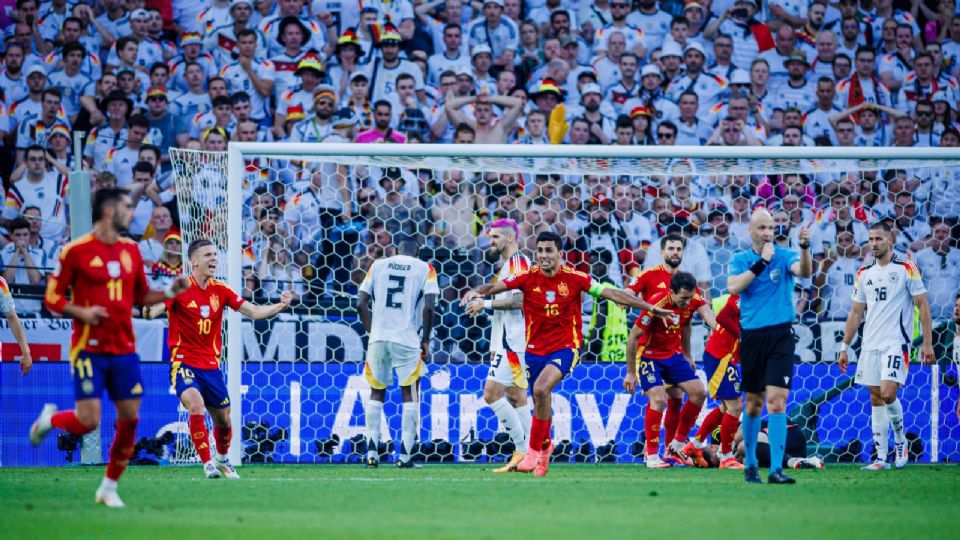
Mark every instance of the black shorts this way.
pixel 766 358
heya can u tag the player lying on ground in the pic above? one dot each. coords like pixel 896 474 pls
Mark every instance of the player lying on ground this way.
pixel 887 288
pixel 9 308
pixel 98 280
pixel 721 362
pixel 552 309
pixel 195 340
pixel 505 389
pixel 665 357
pixel 404 290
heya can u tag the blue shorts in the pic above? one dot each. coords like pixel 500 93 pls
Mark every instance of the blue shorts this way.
pixel 672 371
pixel 119 374
pixel 564 360
pixel 723 377
pixel 209 382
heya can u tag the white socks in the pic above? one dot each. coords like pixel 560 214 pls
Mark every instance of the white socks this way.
pixel 525 414
pixel 895 414
pixel 408 430
pixel 373 410
pixel 510 421
pixel 880 424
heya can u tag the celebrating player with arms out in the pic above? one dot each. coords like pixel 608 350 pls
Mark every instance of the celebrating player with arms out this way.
pixel 721 358
pixel 665 358
pixel 656 280
pixel 552 308
pixel 104 275
pixel 404 290
pixel 195 340
pixel 507 342
pixel 887 289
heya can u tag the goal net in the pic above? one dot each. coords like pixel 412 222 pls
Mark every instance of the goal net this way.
pixel 311 218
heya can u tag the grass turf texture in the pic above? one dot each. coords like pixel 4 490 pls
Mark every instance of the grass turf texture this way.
pixel 467 501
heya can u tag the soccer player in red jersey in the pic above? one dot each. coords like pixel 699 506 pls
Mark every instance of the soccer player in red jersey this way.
pixel 552 308
pixel 656 280
pixel 103 273
pixel 721 359
pixel 665 358
pixel 195 340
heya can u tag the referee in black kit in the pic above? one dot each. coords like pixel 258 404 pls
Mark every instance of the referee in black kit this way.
pixel 764 279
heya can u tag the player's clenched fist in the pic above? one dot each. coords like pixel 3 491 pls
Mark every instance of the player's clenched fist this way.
pixel 286 298
pixel 768 251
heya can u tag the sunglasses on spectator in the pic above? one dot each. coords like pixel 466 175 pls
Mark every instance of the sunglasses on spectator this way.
pixel 665 135
pixel 924 113
pixel 368 198
pixel 619 5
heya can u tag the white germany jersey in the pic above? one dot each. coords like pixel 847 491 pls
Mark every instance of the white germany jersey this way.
pixel 888 292
pixel 397 286
pixel 508 324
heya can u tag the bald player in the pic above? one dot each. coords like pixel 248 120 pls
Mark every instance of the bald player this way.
pixel 764 278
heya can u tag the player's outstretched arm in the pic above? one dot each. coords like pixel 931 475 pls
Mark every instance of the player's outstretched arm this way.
pixel 850 332
pixel 266 311
pixel 627 299
pixel 926 324
pixel 26 361
pixel 709 318
pixel 489 289
pixel 177 286
pixel 630 379
pixel 476 304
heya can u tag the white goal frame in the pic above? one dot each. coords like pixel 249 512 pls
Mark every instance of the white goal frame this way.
pixel 238 151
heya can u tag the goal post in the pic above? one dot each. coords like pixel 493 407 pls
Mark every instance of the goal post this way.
pixel 306 377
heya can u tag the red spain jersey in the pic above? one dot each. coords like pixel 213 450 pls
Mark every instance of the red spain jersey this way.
pixel 196 320
pixel 663 339
pixel 552 307
pixel 99 274
pixel 723 342
pixel 651 281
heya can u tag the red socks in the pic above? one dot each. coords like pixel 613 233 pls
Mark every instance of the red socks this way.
pixel 688 417
pixel 222 437
pixel 539 434
pixel 651 428
pixel 728 428
pixel 198 432
pixel 710 423
pixel 122 448
pixel 67 421
pixel 671 418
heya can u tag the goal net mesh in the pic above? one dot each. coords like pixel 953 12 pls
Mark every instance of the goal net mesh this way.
pixel 313 224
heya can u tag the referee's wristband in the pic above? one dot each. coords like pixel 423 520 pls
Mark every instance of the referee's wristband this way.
pixel 758 267
pixel 805 246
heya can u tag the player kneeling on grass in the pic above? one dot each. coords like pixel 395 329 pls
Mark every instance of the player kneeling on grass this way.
pixel 404 290
pixel 194 338
pixel 552 309
pixel 721 359
pixel 664 346
pixel 98 280
pixel 887 288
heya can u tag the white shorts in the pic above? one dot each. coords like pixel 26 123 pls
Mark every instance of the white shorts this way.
pixel 383 357
pixel 887 364
pixel 508 368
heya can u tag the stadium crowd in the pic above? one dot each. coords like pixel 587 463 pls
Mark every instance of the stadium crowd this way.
pixel 143 77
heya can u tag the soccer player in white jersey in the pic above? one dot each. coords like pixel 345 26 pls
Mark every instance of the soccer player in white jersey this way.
pixel 887 288
pixel 403 290
pixel 505 390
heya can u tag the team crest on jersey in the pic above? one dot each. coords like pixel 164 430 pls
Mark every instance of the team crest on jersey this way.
pixel 204 311
pixel 551 296
pixel 893 277
pixel 645 320
pixel 214 304
pixel 113 268
pixel 775 276
pixel 126 261
pixel 562 289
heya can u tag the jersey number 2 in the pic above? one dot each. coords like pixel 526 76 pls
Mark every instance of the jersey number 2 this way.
pixel 397 288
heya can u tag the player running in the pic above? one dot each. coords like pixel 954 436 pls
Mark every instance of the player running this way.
pixel 404 290
pixel 195 340
pixel 655 280
pixel 887 288
pixel 665 357
pixel 104 275
pixel 552 308
pixel 505 389
pixel 9 308
pixel 721 359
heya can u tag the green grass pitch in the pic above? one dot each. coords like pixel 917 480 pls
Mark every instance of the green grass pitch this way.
pixel 467 501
